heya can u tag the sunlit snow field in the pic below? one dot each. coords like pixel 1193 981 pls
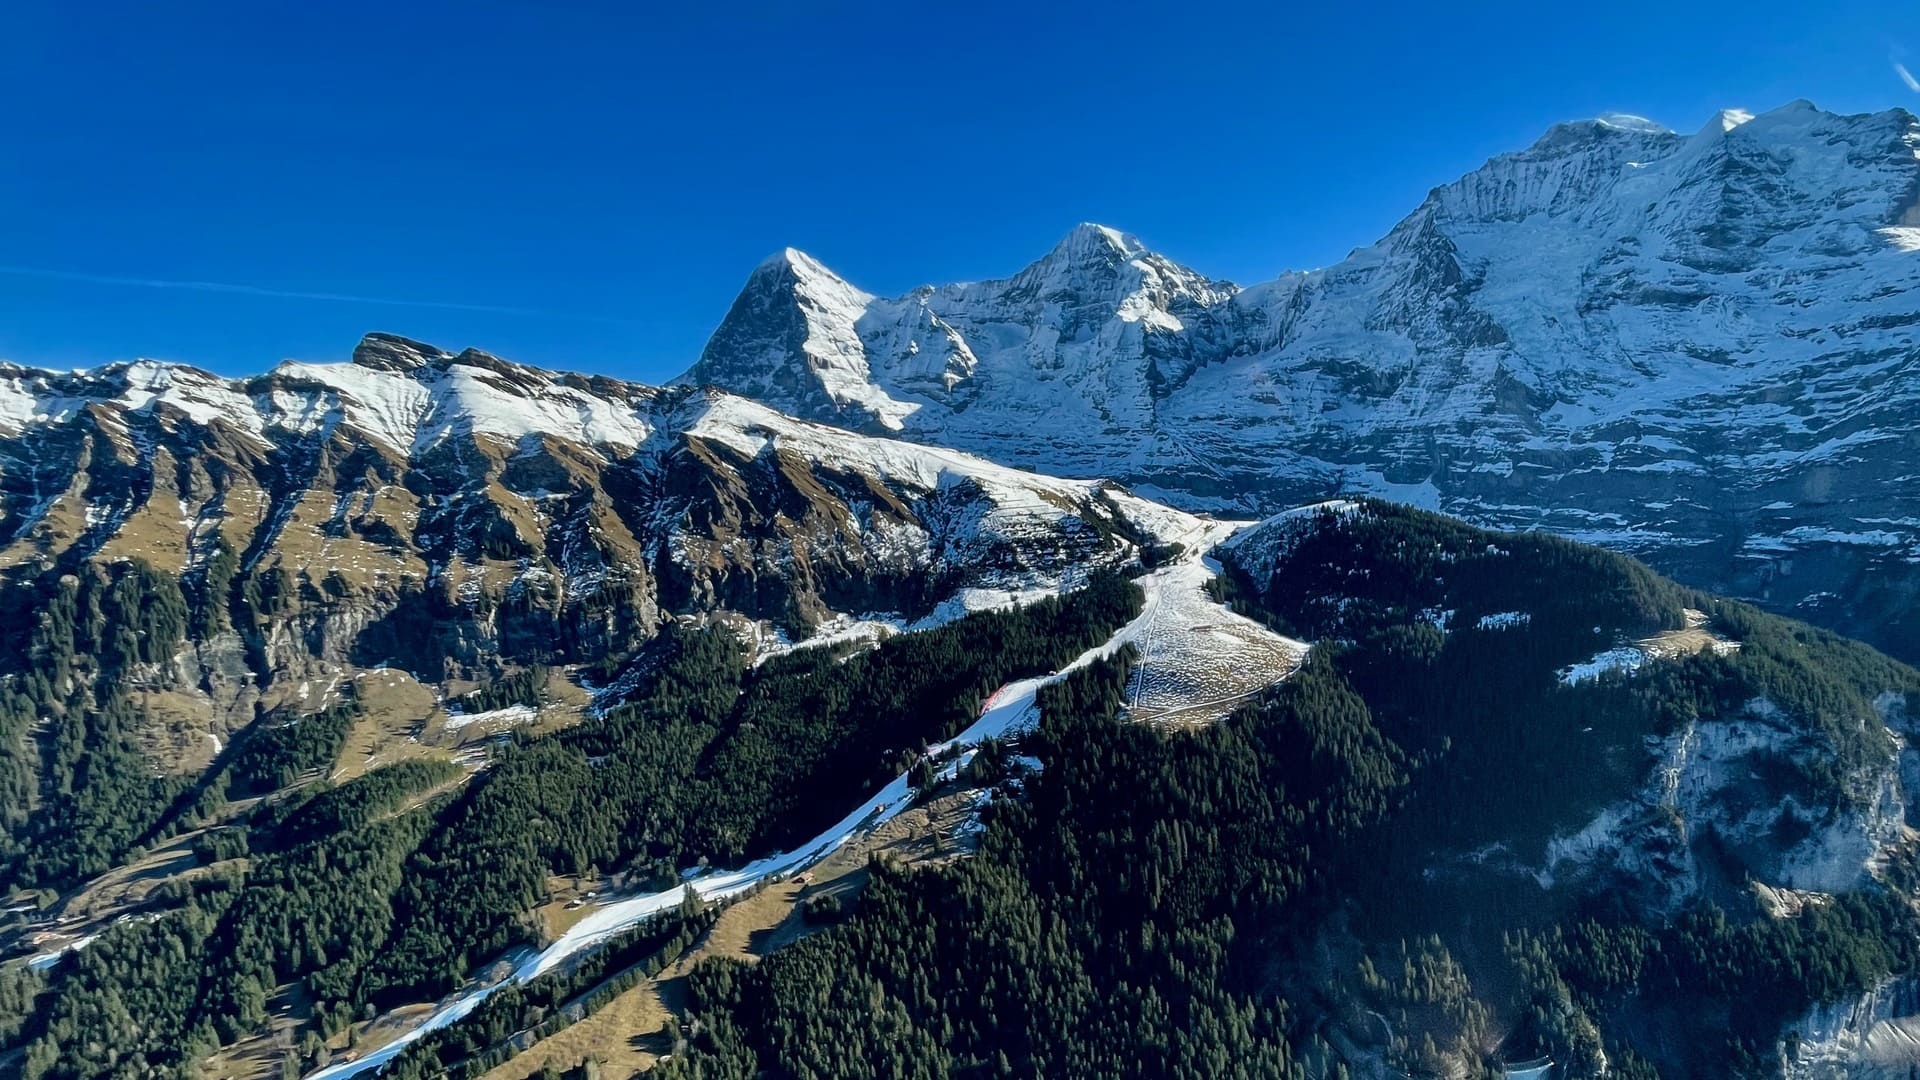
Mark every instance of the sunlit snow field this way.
pixel 1197 659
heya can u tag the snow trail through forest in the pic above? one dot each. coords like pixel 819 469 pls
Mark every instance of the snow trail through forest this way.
pixel 1178 588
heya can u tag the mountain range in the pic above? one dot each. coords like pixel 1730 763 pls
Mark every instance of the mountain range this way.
pixel 522 512
pixel 1697 348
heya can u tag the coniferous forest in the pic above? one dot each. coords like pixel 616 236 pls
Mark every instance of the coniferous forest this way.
pixel 1202 903
pixel 1346 869
pixel 390 888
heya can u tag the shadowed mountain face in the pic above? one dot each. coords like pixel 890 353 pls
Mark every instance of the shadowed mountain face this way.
pixel 1697 348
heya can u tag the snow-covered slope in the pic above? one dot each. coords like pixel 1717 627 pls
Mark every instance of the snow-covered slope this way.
pixel 1700 348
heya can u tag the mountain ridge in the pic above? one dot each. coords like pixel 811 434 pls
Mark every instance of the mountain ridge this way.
pixel 410 471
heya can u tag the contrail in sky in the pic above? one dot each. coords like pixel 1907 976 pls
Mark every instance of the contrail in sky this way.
pixel 1906 76
pixel 286 294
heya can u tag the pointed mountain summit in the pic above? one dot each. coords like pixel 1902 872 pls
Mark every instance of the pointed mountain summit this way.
pixel 1103 267
pixel 1093 245
pixel 791 341
pixel 379 351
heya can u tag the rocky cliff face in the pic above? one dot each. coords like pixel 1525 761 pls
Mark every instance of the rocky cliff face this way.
pixel 1698 348
pixel 1875 1036
pixel 456 515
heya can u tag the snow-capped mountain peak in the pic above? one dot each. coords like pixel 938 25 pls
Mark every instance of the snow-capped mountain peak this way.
pixel 791 340
pixel 1090 243
pixel 799 270
pixel 1728 119
pixel 1100 267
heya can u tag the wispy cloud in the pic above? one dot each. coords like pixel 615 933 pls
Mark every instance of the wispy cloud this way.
pixel 1906 76
pixel 287 294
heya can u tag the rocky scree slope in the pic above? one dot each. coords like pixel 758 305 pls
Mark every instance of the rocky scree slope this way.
pixel 1697 348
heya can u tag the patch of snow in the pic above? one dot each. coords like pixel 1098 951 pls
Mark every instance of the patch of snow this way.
pixel 1198 659
pixel 1810 534
pixel 41 961
pixel 1425 495
pixel 1626 658
pixel 386 405
pixel 507 717
pixel 840 630
pixel 1629 122
pixel 1902 238
pixel 749 428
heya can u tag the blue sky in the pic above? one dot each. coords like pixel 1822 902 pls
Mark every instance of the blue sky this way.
pixel 587 189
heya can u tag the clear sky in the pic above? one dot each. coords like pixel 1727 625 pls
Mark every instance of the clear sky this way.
pixel 587 189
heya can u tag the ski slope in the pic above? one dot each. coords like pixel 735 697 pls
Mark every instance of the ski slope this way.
pixel 1198 660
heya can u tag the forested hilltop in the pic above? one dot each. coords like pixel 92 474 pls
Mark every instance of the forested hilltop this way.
pixel 1367 871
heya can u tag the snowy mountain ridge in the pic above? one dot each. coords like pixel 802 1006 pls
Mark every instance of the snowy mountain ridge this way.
pixel 406 395
pixel 526 509
pixel 1700 348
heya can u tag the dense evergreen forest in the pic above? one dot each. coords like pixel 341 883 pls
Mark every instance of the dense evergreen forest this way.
pixel 1490 701
pixel 393 886
pixel 1118 921
pixel 78 793
pixel 1241 900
